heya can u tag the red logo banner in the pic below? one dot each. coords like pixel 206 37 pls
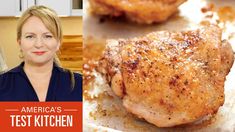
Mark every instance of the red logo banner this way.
pixel 40 116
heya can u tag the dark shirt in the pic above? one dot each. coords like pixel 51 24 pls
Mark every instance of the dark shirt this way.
pixel 15 86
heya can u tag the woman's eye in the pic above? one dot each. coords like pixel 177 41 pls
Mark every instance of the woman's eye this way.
pixel 29 36
pixel 48 36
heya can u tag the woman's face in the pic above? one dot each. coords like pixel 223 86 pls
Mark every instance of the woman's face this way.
pixel 37 43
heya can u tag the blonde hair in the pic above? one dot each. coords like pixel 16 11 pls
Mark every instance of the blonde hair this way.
pixel 52 22
pixel 46 15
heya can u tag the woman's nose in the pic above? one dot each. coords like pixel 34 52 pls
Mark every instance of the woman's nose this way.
pixel 38 43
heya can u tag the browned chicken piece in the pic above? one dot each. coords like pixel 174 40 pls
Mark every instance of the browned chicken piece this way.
pixel 169 78
pixel 140 11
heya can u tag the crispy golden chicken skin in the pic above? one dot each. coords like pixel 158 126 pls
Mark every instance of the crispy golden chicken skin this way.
pixel 140 11
pixel 169 78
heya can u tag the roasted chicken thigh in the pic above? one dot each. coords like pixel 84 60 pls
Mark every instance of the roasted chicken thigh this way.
pixel 169 78
pixel 140 11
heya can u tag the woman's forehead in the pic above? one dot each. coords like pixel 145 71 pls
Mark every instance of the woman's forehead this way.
pixel 34 24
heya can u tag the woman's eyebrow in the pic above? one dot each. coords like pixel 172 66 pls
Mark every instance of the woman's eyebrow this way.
pixel 35 33
pixel 29 33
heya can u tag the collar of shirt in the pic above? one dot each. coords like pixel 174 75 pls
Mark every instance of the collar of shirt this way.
pixel 20 68
pixel 53 84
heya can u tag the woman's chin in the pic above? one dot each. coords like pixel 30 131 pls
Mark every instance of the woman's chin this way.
pixel 39 62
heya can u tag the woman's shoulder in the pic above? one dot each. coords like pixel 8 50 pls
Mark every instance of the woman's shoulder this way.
pixel 67 71
pixel 11 71
pixel 75 80
pixel 78 85
pixel 4 74
pixel 8 74
pixel 4 77
pixel 77 75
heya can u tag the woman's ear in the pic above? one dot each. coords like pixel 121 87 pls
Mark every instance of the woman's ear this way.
pixel 19 42
pixel 58 46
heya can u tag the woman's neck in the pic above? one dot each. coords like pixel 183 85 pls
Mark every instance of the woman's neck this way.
pixel 38 69
pixel 39 77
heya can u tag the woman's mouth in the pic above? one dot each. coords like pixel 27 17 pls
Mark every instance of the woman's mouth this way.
pixel 39 52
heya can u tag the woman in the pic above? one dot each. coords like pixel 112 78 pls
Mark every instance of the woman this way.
pixel 38 77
